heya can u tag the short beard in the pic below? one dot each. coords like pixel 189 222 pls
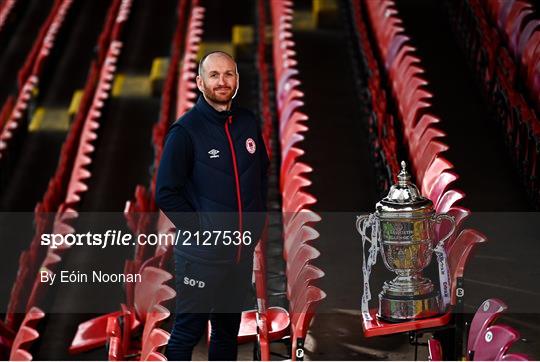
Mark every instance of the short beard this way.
pixel 209 95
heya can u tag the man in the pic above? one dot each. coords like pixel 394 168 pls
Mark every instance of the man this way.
pixel 212 180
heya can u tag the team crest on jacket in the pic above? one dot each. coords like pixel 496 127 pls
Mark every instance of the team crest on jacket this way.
pixel 250 145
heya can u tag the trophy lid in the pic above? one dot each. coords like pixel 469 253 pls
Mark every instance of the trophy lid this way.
pixel 404 195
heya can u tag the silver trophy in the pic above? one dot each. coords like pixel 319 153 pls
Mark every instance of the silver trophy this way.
pixel 405 223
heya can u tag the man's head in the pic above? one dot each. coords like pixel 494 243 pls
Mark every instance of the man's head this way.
pixel 218 79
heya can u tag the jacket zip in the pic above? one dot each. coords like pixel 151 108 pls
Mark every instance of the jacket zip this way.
pixel 237 180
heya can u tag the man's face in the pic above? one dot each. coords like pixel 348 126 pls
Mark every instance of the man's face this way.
pixel 218 80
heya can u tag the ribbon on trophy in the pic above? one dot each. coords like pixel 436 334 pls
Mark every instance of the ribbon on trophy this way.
pixel 444 277
pixel 362 224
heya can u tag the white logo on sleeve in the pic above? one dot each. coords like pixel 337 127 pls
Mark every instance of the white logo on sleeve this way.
pixel 250 145
pixel 213 153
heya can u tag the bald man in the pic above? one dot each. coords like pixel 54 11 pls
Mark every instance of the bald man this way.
pixel 212 184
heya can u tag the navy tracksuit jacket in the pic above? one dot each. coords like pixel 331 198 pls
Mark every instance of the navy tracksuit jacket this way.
pixel 213 177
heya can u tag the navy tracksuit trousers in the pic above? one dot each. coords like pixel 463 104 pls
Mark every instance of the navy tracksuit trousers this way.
pixel 208 292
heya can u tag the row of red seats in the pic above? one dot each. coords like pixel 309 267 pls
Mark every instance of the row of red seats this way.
pixel 186 93
pixel 382 124
pixel 519 27
pixel 485 341
pixel 28 66
pixel 139 217
pixel 264 77
pixel 271 323
pixel 168 97
pixel 433 172
pixel 499 74
pixel 28 77
pixel 298 219
pixel 32 259
pixel 27 291
pixel 138 212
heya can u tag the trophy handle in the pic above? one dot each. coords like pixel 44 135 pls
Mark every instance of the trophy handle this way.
pixel 360 220
pixel 439 218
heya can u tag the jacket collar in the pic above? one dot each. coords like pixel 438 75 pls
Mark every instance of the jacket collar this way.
pixel 211 113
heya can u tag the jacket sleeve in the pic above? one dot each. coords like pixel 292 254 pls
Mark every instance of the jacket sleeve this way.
pixel 174 169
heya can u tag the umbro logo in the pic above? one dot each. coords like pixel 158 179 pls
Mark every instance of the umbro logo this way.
pixel 213 153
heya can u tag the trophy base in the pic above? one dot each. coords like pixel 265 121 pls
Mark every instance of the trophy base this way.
pixel 397 309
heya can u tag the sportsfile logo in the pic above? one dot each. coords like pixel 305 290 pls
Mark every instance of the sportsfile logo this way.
pixel 213 153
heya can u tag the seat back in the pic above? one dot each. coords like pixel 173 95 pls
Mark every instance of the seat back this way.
pixel 458 255
pixel 305 255
pixel 295 169
pixel 494 342
pixel 486 314
pixel 156 339
pixel 301 218
pixel 308 275
pixel 151 280
pixel 24 338
pixel 435 350
pixel 302 310
pixel 448 199
pixel 440 185
pixel 20 355
pixel 157 314
pixel 293 243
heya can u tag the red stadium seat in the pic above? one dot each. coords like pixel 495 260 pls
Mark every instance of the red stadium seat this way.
pixel 305 255
pixel 514 24
pixel 494 342
pixel 430 134
pixel 297 169
pixel 23 339
pixel 460 214
pixel 293 127
pixel 293 185
pixel 448 199
pixel 20 355
pixel 298 202
pixel 155 317
pixel 299 219
pixel 302 310
pixel 157 339
pixel 435 350
pixel 459 252
pixel 286 113
pixel 145 291
pixel 486 314
pixel 308 275
pixel 439 165
pixel 289 161
pixel 425 158
pixel 531 27
pixel 293 140
pixel 440 185
pixel 293 242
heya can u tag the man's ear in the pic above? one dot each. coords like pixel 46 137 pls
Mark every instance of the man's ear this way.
pixel 198 79
pixel 237 85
